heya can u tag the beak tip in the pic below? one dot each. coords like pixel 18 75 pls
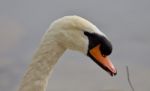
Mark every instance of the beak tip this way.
pixel 113 73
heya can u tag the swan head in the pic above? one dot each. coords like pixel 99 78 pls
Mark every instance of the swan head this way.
pixel 77 33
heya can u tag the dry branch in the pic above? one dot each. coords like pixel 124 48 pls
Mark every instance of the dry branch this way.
pixel 128 77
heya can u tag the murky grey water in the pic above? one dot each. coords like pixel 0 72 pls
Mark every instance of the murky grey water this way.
pixel 126 22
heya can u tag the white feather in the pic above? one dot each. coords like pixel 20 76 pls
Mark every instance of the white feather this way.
pixel 64 33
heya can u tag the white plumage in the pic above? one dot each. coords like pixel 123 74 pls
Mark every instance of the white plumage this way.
pixel 64 33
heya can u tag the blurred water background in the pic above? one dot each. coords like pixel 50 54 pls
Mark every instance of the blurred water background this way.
pixel 125 22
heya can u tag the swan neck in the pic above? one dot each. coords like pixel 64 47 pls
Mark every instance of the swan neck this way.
pixel 42 64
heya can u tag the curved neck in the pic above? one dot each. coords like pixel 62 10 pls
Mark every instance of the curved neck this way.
pixel 45 58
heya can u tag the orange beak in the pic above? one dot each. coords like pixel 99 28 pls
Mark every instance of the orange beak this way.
pixel 102 60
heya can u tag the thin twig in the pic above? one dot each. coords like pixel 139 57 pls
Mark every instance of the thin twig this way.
pixel 128 77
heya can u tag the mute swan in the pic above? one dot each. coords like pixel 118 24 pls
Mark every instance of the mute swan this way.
pixel 68 32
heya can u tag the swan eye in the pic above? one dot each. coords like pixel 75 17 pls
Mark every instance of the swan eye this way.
pixel 93 39
pixel 96 39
